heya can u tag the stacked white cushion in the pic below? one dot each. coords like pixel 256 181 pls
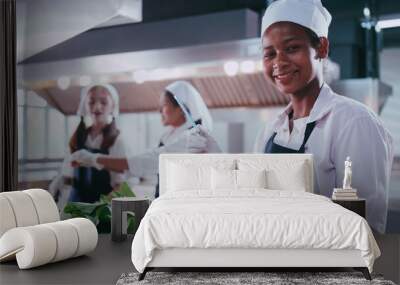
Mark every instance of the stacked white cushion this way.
pixel 223 179
pixel 27 208
pixel 251 178
pixel 282 173
pixel 179 172
pixel 24 211
pixel 186 174
pixel 45 206
pixel 183 178
pixel 37 245
pixel 31 232
pixel 226 179
pixel 32 246
pixel 87 235
pixel 7 218
pixel 67 240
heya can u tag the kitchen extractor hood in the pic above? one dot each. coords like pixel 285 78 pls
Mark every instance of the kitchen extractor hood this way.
pixel 140 60
pixel 219 53
pixel 42 24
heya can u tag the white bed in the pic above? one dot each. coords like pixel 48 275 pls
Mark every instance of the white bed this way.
pixel 202 220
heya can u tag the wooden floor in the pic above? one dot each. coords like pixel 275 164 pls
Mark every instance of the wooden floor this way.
pixel 103 266
pixel 110 259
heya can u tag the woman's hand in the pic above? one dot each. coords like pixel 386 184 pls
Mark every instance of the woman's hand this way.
pixel 85 158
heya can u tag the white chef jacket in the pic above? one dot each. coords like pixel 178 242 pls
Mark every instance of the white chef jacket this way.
pixel 344 127
pixel 57 187
pixel 146 164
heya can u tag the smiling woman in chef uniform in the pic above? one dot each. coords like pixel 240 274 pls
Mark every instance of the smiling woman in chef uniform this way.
pixel 182 109
pixel 318 121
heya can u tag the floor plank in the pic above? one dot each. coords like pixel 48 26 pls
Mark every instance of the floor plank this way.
pixel 102 266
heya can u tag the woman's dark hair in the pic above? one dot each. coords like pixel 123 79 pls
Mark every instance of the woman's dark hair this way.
pixel 171 98
pixel 314 39
pixel 110 131
pixel 173 101
pixel 78 139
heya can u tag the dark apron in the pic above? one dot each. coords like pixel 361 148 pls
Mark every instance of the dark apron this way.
pixel 157 194
pixel 89 183
pixel 272 147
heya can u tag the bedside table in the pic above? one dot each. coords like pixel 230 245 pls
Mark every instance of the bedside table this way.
pixel 357 206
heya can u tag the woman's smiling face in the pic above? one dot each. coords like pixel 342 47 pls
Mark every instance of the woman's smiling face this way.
pixel 289 59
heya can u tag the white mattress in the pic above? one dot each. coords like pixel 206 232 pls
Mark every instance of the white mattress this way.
pixel 250 219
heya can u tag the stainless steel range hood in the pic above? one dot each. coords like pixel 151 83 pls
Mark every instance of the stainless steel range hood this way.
pixel 42 24
pixel 195 48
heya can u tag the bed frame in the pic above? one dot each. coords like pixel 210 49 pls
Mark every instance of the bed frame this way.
pixel 245 259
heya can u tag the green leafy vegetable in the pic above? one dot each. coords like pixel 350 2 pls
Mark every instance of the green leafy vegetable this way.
pixel 100 212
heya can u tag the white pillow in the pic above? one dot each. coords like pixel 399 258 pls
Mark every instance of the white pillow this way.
pixel 281 174
pixel 193 174
pixel 292 179
pixel 182 177
pixel 251 178
pixel 226 179
pixel 223 179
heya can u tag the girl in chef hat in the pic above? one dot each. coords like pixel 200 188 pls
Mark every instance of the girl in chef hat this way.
pixel 317 120
pixel 183 111
pixel 96 133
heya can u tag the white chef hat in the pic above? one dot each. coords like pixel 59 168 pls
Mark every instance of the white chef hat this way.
pixel 307 13
pixel 191 98
pixel 82 109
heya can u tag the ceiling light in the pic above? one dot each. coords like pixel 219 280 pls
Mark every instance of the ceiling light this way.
pixel 63 82
pixel 140 76
pixel 231 68
pixel 176 72
pixel 159 74
pixel 104 79
pixel 85 80
pixel 247 66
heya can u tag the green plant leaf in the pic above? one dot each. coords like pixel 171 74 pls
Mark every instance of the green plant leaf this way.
pixel 131 224
pixel 103 213
pixel 100 212
pixel 125 190
pixel 79 208
pixel 105 199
